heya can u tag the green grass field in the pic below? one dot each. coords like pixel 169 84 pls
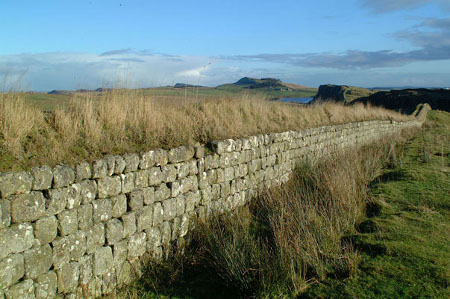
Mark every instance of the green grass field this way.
pixel 405 240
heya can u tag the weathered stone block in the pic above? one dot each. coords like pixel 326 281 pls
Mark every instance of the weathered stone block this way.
pixel 85 265
pixel 22 290
pixel 119 165
pixel 127 182
pixel 63 176
pixel 85 217
pixel 199 151
pixel 102 210
pixel 99 169
pixel 27 207
pixel 11 270
pixel 153 238
pixel 166 233
pixel 184 225
pixel 103 260
pixel 68 277
pixel 170 208
pixel 158 214
pixel 5 213
pixel 37 261
pixel 15 183
pixel 119 205
pixel 57 201
pixel 175 228
pixel 192 200
pixel 147 160
pixel 43 177
pixel 110 161
pixel 182 169
pixel 109 186
pixel 68 222
pixel 136 200
pixel 179 205
pixel 120 253
pixel 144 218
pixel 16 238
pixel 136 245
pixel 154 176
pixel 129 224
pixel 83 171
pixel 161 157
pixel 149 195
pixel 114 231
pixel 141 180
pixel 162 192
pixel 88 191
pixel 124 274
pixel 131 162
pixel 168 173
pixel 193 169
pixel 45 286
pixel 95 237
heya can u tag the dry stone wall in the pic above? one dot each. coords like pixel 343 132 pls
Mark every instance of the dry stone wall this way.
pixel 84 231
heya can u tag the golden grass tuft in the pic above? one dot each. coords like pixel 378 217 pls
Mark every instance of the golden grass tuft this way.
pixel 120 121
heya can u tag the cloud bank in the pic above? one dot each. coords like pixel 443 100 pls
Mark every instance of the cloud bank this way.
pixel 386 6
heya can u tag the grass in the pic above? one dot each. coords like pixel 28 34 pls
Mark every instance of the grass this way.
pixel 90 125
pixel 288 239
pixel 404 240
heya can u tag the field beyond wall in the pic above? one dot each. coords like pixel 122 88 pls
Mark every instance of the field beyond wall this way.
pixel 90 126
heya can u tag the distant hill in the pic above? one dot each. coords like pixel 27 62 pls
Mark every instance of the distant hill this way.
pixel 264 83
pixel 63 92
pixel 408 99
pixel 341 93
pixel 184 85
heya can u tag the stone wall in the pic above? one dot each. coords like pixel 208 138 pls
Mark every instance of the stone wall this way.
pixel 85 230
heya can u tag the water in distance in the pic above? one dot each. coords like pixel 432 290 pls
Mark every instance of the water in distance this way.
pixel 297 100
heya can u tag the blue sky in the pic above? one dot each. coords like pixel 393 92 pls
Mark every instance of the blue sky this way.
pixel 86 44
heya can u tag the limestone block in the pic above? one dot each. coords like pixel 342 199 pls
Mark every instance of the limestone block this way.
pixel 182 169
pixel 154 176
pixel 166 233
pixel 11 270
pixel 119 165
pixel 224 146
pixel 120 253
pixel 109 186
pixel 22 290
pixel 206 196
pixel 147 160
pixel 27 207
pixel 63 175
pixel 68 222
pixel 129 224
pixel 141 180
pixel 180 205
pixel 99 169
pixel 136 200
pixel 220 174
pixel 127 182
pixel 16 238
pixel 192 200
pixel 45 286
pixel 199 151
pixel 15 183
pixel 102 210
pixel 175 228
pixel 229 173
pixel 193 169
pixel 111 163
pixel 124 274
pixel 149 195
pixel 43 177
pixel 95 237
pixel 168 173
pixel 85 217
pixel 137 245
pixel 114 231
pixel 119 205
pixel 144 218
pixel 85 267
pixel 225 189
pixel 181 154
pixel 38 260
pixel 68 276
pixel 161 157
pixel 83 171
pixel 184 225
pixel 153 238
pixel 56 203
pixel 131 162
pixel 5 213
pixel 225 160
pixel 162 192
pixel 88 191
pixel 103 260
pixel 170 208
pixel 158 214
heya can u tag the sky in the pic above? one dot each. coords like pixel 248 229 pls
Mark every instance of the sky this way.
pixel 46 45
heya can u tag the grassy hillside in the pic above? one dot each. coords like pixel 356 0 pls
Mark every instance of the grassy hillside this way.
pixel 341 93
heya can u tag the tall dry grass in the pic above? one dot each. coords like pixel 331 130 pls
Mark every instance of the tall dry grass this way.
pixel 122 121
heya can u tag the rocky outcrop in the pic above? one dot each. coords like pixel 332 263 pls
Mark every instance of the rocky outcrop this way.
pixel 340 93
